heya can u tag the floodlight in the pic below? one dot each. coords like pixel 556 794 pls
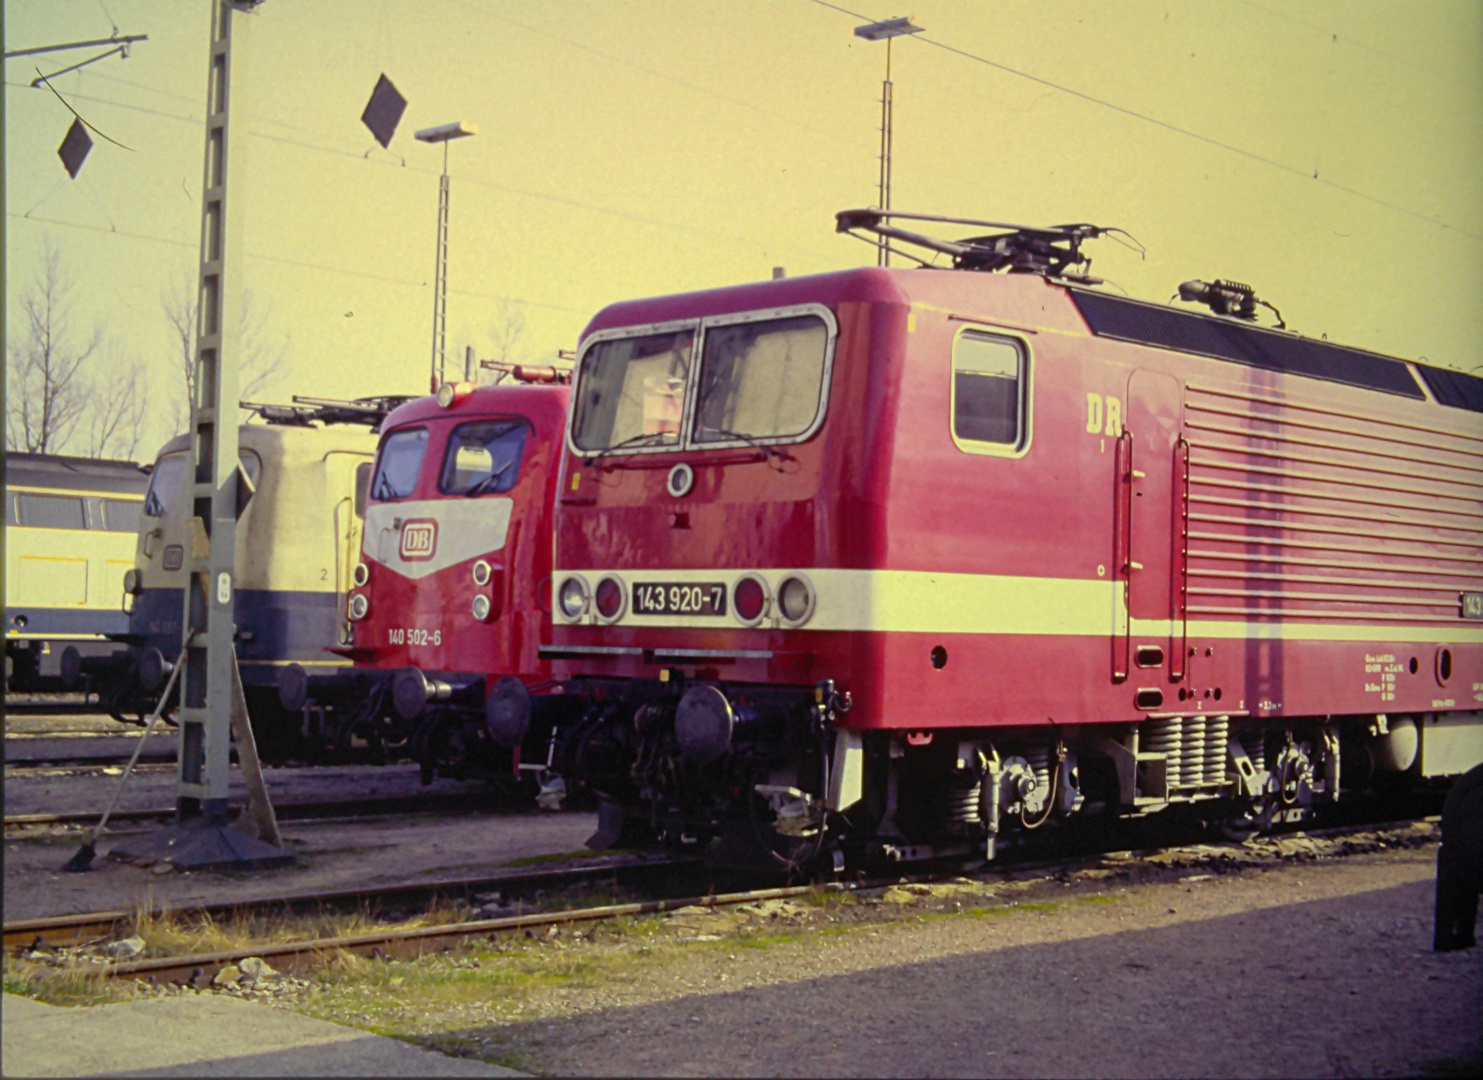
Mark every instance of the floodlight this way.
pixel 880 31
pixel 445 132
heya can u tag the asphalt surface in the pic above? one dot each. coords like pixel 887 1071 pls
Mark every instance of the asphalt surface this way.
pixel 206 1035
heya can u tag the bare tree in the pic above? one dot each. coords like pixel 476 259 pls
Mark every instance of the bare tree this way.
pixel 505 331
pixel 119 403
pixel 264 355
pixel 47 391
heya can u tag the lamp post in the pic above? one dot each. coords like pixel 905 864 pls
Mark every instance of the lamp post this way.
pixel 443 133
pixel 885 31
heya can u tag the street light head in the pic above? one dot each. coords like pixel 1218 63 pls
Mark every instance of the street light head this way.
pixel 880 31
pixel 447 132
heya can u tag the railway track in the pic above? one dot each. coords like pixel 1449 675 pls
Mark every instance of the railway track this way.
pixel 54 708
pixel 404 942
pixel 69 750
pixel 326 810
pixel 65 930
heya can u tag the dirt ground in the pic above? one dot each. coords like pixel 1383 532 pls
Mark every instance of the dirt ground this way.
pixel 330 854
pixel 1321 970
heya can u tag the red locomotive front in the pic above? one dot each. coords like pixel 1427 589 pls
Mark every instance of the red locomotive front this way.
pixel 448 608
pixel 912 557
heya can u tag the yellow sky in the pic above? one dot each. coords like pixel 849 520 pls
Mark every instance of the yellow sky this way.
pixel 630 148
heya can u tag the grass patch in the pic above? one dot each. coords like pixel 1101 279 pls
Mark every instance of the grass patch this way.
pixel 172 933
pixel 78 984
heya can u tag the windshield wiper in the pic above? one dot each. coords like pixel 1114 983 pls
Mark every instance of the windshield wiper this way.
pixel 766 448
pixel 633 440
pixel 383 488
pixel 484 483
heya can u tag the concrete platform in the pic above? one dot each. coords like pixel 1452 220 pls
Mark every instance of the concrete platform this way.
pixel 205 1035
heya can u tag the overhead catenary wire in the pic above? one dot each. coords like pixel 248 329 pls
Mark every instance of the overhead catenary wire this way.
pixel 43 80
pixel 560 200
pixel 1175 128
pixel 194 244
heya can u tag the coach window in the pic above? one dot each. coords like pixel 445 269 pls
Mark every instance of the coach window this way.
pixel 989 393
pixel 631 391
pixel 401 461
pixel 483 458
pixel 10 518
pixel 120 515
pixel 51 512
pixel 761 379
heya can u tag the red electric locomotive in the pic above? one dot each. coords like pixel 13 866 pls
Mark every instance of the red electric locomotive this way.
pixel 920 558
pixel 447 611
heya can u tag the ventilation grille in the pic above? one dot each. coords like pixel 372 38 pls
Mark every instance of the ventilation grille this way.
pixel 1165 328
pixel 1305 511
pixel 1454 388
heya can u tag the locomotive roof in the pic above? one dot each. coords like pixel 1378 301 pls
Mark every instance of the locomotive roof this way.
pixel 1104 315
pixel 308 441
pixel 521 398
pixel 75 473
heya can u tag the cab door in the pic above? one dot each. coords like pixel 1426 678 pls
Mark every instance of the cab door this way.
pixel 1153 467
pixel 351 479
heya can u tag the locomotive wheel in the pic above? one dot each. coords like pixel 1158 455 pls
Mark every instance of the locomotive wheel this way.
pixel 1241 826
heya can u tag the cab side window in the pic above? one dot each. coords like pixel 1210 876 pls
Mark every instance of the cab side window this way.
pixel 990 375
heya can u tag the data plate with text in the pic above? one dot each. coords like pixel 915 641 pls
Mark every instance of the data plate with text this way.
pixel 690 598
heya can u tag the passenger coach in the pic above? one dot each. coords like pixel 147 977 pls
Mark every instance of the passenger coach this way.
pixel 913 558
pixel 69 535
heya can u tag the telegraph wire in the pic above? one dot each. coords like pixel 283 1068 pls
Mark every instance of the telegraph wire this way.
pixel 43 80
pixel 1166 125
pixel 1344 39
pixel 560 200
pixel 665 76
pixel 195 245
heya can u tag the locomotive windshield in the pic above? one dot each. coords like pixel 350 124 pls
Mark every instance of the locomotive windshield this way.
pixel 757 379
pixel 164 482
pixel 401 461
pixel 483 458
pixel 760 380
pixel 632 390
pixel 164 485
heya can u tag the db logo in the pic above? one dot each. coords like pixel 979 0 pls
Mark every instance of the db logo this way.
pixel 419 540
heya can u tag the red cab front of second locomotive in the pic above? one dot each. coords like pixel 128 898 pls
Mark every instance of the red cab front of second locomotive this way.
pixel 448 609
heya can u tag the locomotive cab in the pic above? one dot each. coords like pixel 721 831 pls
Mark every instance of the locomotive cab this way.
pixel 444 614
pixel 916 560
pixel 299 528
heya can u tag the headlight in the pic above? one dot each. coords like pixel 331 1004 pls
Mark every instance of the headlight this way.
pixel 481 607
pixel 450 393
pixel 796 599
pixel 482 572
pixel 359 606
pixel 749 597
pixel 573 597
pixel 611 599
pixel 361 574
pixel 132 583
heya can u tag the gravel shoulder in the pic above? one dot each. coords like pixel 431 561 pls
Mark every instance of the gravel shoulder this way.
pixel 1319 969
